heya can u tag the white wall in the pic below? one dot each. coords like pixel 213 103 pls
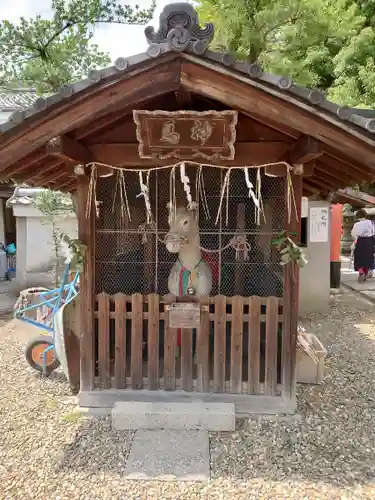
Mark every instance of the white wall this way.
pixel 40 247
pixel 35 249
pixel 314 292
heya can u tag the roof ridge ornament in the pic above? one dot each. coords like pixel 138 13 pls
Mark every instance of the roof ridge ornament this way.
pixel 179 30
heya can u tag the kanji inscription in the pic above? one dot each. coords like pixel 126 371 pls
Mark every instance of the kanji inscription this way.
pixel 186 134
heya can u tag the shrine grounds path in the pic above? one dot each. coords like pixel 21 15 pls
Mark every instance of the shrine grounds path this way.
pixel 48 451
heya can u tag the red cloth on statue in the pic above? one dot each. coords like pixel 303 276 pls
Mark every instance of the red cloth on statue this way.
pixel 212 260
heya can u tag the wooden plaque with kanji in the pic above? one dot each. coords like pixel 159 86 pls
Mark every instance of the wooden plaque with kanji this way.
pixel 186 134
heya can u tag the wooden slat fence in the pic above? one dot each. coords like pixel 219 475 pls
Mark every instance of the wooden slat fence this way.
pixel 237 348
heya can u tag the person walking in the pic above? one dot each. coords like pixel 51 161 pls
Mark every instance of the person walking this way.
pixel 364 233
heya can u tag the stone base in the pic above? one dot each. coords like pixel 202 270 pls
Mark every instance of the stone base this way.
pixel 173 416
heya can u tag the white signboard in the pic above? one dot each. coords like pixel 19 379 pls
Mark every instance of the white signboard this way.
pixel 304 207
pixel 318 222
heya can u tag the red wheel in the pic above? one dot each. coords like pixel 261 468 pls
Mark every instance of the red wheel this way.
pixel 34 354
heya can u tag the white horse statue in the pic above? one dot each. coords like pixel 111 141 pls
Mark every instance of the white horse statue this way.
pixel 190 275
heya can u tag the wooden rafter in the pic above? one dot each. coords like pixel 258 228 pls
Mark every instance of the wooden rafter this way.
pixel 69 150
pixel 309 189
pixel 100 124
pixel 248 153
pixel 54 176
pixel 319 184
pixel 351 169
pixel 339 177
pixel 183 98
pixel 21 166
pixel 111 118
pixel 67 184
pixel 48 169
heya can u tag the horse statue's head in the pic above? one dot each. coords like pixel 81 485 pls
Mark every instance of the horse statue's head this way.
pixel 183 228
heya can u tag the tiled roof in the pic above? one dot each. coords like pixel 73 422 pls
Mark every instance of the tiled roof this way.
pixel 353 193
pixel 17 99
pixel 179 31
pixel 28 196
pixel 11 101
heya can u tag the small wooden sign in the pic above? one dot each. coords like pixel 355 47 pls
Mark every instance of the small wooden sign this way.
pixel 184 315
pixel 186 134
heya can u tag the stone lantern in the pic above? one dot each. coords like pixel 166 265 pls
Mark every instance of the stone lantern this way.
pixel 348 216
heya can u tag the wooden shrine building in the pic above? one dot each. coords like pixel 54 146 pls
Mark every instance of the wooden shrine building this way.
pixel 280 141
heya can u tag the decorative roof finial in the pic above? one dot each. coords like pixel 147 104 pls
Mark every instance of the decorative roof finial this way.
pixel 179 30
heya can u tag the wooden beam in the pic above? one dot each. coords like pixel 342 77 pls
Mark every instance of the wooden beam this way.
pixel 143 82
pixel 67 149
pixel 215 82
pixel 304 150
pixel 247 153
pixel 304 169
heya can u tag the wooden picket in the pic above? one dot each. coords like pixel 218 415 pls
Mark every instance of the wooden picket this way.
pixel 219 343
pixel 236 345
pixel 137 341
pixel 170 340
pixel 228 356
pixel 103 340
pixel 120 341
pixel 270 383
pixel 203 348
pixel 153 342
pixel 253 384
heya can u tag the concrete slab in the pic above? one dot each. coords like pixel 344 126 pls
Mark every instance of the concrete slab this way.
pixel 349 278
pixel 169 456
pixel 370 295
pixel 175 416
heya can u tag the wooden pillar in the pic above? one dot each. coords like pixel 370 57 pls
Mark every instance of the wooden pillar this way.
pixel 336 233
pixel 291 292
pixel 86 234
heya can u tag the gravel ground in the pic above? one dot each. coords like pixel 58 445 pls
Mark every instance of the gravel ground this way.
pixel 49 451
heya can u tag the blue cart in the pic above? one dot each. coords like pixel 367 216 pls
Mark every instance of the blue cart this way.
pixel 40 351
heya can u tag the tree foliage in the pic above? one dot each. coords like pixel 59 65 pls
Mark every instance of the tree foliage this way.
pixel 55 207
pixel 326 44
pixel 48 53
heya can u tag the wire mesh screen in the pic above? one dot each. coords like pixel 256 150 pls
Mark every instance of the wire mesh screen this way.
pixel 132 258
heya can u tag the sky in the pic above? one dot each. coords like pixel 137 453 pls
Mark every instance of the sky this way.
pixel 117 40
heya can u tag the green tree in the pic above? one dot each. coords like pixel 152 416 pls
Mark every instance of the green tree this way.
pixel 298 38
pixel 367 8
pixel 48 53
pixel 354 71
